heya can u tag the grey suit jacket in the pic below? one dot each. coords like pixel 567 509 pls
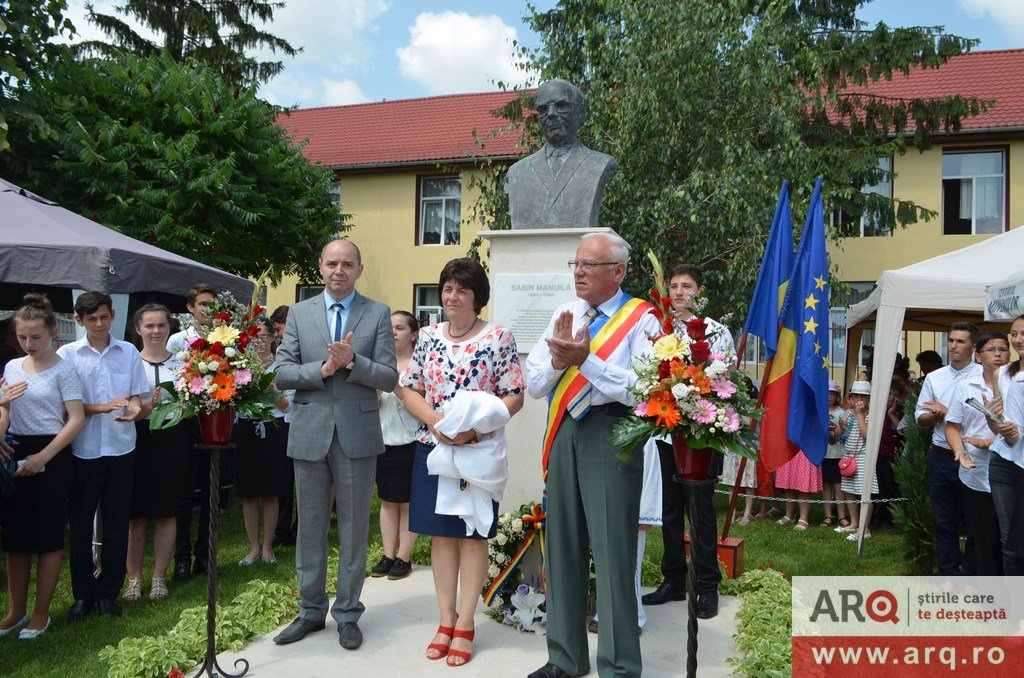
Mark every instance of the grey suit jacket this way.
pixel 569 199
pixel 346 402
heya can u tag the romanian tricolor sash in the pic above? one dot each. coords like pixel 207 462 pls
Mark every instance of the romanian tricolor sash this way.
pixel 533 522
pixel 603 345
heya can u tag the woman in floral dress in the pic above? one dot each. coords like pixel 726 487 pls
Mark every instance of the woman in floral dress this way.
pixel 465 353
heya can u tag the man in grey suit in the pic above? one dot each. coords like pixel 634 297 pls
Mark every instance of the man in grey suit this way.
pixel 338 350
pixel 559 186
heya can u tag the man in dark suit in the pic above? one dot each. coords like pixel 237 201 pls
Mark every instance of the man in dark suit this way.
pixel 338 350
pixel 559 186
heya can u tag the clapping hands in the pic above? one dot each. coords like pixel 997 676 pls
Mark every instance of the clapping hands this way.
pixel 567 349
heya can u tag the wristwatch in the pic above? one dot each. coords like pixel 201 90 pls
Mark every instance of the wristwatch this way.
pixel 351 363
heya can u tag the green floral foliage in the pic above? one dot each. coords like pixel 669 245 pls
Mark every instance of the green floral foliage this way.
pixel 765 626
pixel 914 517
pixel 261 607
pixel 176 156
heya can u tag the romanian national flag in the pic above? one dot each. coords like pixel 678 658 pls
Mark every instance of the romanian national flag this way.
pixel 770 291
pixel 807 292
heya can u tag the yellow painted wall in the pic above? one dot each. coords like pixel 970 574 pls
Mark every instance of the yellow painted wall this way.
pixel 919 179
pixel 383 209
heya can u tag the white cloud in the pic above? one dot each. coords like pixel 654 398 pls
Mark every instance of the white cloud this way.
pixel 342 92
pixel 86 31
pixel 1008 13
pixel 455 52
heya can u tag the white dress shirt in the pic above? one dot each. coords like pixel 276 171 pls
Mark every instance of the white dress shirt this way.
pixel 346 304
pixel 720 343
pixel 116 372
pixel 939 385
pixel 178 341
pixel 611 378
pixel 1013 410
pixel 973 425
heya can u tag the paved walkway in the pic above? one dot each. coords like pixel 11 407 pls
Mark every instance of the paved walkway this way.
pixel 401 618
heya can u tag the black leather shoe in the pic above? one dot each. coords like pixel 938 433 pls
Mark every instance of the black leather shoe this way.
pixel 298 630
pixel 181 573
pixel 664 593
pixel 110 609
pixel 349 636
pixel 548 671
pixel 201 567
pixel 80 610
pixel 707 605
pixel 382 567
pixel 400 570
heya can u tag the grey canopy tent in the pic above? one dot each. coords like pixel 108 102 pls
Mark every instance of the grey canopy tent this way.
pixel 45 247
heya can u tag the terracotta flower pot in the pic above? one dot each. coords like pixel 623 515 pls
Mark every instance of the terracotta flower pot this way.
pixel 216 427
pixel 692 464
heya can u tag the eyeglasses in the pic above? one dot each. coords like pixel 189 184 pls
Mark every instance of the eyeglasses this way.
pixel 590 265
pixel 994 349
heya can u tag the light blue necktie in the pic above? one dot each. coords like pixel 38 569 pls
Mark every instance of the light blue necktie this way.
pixel 580 405
pixel 337 320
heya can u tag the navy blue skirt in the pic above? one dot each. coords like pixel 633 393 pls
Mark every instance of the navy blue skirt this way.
pixel 423 499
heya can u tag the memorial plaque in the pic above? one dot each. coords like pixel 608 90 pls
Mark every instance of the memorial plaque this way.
pixel 525 303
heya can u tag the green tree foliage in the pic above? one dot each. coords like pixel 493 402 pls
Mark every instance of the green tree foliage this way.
pixel 26 30
pixel 175 156
pixel 218 33
pixel 708 106
pixel 914 517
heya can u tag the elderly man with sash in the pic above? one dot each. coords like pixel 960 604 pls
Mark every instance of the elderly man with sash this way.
pixel 584 369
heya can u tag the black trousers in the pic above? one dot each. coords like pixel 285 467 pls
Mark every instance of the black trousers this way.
pixel 981 514
pixel 197 478
pixel 104 484
pixel 675 500
pixel 887 489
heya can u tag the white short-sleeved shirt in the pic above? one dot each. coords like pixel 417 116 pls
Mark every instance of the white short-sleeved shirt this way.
pixel 40 410
pixel 116 372
pixel 972 425
pixel 1013 410
pixel 179 340
pixel 158 373
pixel 938 385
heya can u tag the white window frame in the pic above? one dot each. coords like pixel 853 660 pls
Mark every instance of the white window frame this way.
pixel 884 188
pixel 424 200
pixel 434 312
pixel 974 193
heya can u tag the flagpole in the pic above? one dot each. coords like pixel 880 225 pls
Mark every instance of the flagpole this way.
pixel 743 460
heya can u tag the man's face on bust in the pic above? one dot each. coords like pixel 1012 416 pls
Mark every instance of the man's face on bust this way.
pixel 559 117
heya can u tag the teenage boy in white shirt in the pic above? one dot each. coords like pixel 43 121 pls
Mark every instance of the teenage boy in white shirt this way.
pixel 113 379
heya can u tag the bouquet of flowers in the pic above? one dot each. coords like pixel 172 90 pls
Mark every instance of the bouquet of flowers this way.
pixel 219 371
pixel 683 387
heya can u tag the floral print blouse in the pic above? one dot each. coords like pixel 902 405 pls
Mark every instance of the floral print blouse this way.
pixel 439 367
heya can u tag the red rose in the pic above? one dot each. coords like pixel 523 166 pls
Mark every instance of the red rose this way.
pixel 198 344
pixel 216 349
pixel 223 316
pixel 696 328
pixel 701 351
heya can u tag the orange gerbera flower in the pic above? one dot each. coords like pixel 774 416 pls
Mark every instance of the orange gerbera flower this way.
pixel 225 384
pixel 664 411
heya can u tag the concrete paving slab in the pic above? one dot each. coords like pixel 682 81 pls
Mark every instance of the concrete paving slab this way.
pixel 401 618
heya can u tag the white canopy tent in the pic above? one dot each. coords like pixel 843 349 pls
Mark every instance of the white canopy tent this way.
pixel 1004 300
pixel 927 296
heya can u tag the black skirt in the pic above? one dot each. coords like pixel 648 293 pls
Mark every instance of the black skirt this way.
pixel 422 517
pixel 161 464
pixel 33 520
pixel 830 471
pixel 261 458
pixel 394 473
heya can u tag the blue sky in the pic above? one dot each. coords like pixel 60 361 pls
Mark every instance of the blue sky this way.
pixel 369 50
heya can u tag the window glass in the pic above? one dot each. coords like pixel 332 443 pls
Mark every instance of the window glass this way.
pixel 973 193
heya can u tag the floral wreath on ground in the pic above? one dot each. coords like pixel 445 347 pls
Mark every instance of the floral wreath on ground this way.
pixel 219 369
pixel 513 597
pixel 683 388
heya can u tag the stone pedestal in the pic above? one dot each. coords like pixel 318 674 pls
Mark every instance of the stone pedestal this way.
pixel 530 278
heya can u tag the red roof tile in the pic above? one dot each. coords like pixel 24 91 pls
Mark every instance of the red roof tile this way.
pixel 986 75
pixel 408 131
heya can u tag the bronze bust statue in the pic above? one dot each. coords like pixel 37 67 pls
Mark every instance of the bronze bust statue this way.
pixel 559 186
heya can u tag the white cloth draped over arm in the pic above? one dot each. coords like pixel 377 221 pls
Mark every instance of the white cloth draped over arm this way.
pixel 482 466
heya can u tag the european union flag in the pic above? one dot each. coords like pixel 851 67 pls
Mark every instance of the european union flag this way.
pixel 770 290
pixel 806 313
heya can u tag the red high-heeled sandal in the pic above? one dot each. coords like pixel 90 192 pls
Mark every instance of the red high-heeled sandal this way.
pixel 442 648
pixel 460 654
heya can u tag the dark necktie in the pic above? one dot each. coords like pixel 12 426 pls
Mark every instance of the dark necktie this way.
pixel 337 320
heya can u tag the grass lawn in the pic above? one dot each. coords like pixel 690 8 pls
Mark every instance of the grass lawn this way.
pixel 65 650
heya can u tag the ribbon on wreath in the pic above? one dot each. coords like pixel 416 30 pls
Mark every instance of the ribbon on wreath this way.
pixel 533 525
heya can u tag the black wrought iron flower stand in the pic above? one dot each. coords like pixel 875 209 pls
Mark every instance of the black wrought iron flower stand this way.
pixel 691 574
pixel 210 666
